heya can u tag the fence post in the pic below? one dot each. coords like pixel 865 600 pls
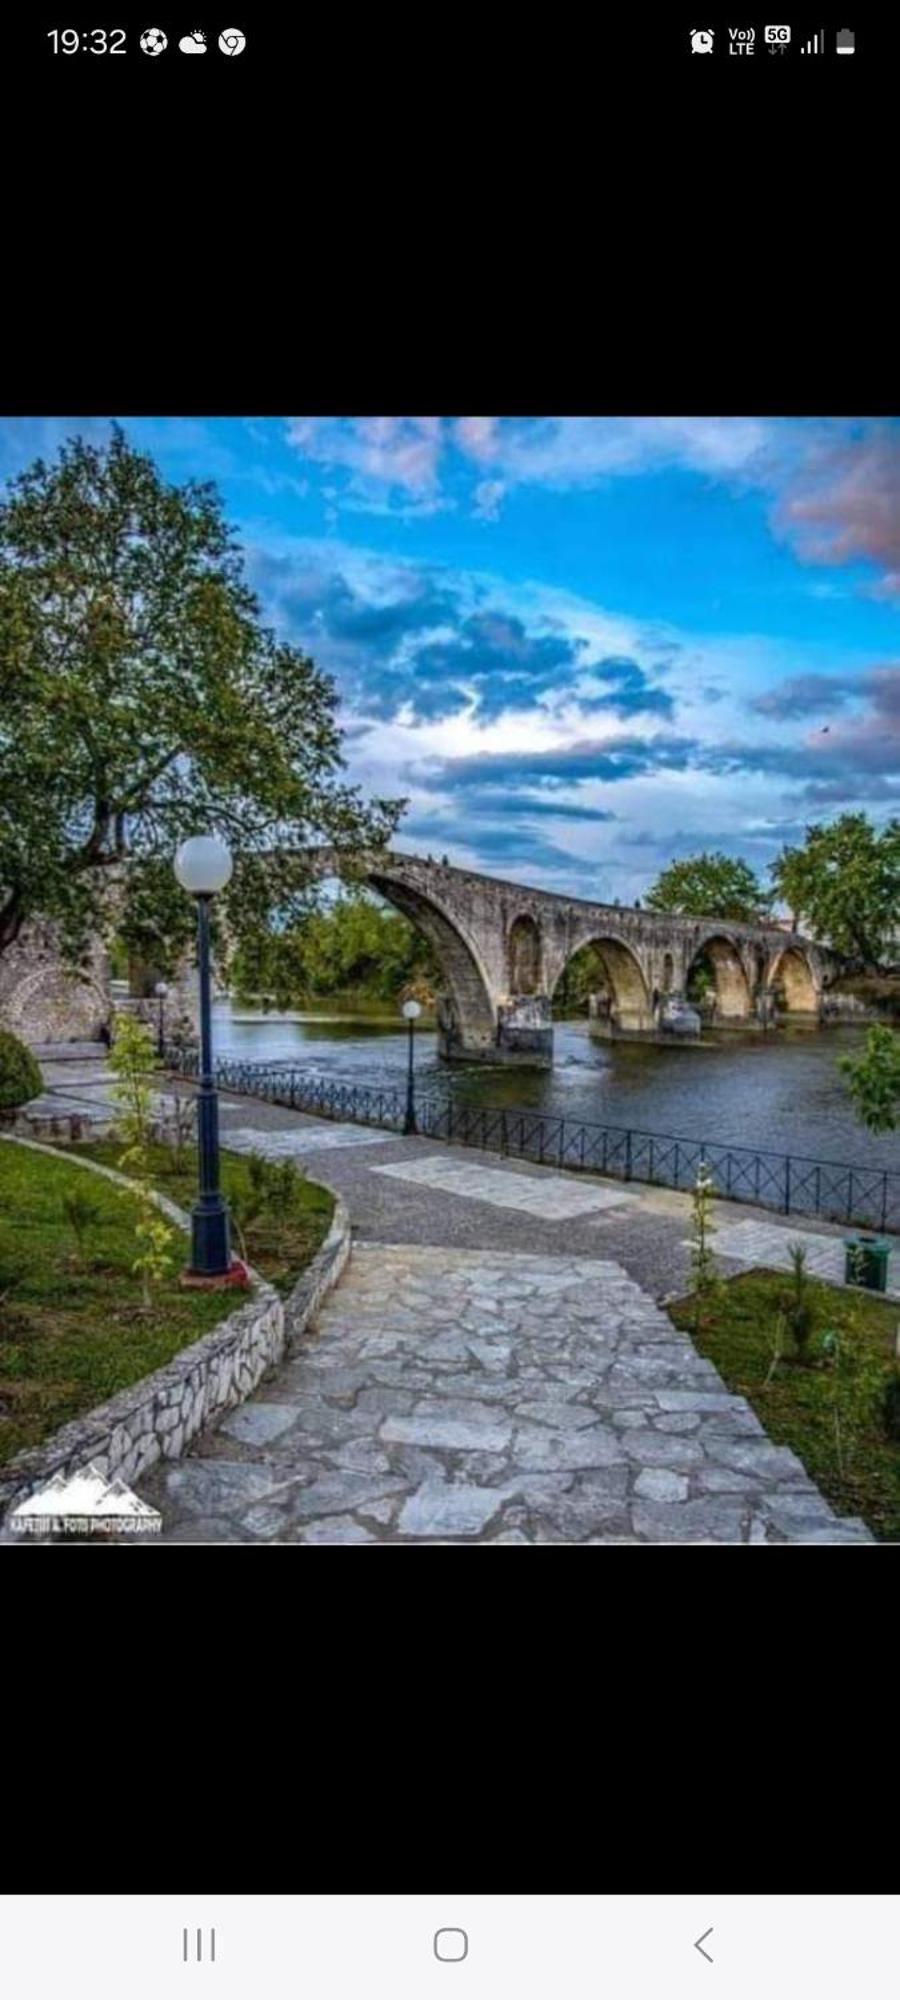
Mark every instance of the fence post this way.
pixel 884 1196
pixel 787 1183
pixel 627 1173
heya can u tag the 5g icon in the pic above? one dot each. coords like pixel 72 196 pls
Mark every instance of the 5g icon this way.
pixel 779 37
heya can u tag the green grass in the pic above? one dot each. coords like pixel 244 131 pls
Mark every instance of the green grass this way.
pixel 71 1331
pixel 279 1253
pixel 797 1407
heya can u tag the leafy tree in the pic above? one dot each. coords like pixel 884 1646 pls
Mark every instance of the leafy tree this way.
pixel 141 700
pixel 354 945
pixel 845 883
pixel 874 1080
pixel 709 885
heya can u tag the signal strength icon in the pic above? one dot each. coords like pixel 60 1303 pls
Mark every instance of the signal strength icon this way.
pixel 816 44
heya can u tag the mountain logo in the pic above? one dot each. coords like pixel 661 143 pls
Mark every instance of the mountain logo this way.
pixel 84 1502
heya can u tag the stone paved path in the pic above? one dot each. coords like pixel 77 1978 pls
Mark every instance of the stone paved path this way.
pixel 459 1396
pixel 494 1366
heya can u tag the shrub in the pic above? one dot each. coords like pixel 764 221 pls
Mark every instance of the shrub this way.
pixel 20 1076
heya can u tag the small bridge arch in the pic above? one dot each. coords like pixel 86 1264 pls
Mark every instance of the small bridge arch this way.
pixel 734 992
pixel 792 971
pixel 630 1006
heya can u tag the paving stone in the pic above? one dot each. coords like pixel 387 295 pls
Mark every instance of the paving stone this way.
pixel 337 1528
pixel 451 1427
pixel 446 1509
pixel 652 1447
pixel 657 1483
pixel 258 1423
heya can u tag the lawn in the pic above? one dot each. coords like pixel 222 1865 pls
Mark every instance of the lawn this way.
pixel 797 1406
pixel 71 1329
pixel 278 1251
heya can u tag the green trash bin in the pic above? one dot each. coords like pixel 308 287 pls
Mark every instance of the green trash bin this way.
pixel 866 1261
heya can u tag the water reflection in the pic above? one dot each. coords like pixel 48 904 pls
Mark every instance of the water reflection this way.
pixel 781 1090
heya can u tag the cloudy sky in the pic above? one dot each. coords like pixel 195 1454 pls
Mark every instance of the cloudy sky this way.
pixel 580 646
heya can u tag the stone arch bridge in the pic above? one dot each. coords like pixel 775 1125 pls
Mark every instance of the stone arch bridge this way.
pixel 504 947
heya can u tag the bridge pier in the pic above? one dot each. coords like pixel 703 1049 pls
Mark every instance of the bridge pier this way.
pixel 610 1020
pixel 523 1034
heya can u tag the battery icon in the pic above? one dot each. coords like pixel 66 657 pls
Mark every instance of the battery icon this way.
pixel 845 42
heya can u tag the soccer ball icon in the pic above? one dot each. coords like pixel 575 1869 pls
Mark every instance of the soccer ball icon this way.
pixel 153 41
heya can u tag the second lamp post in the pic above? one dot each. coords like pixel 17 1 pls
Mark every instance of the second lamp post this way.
pixel 411 1012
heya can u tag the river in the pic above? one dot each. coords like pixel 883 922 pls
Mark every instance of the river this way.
pixel 780 1091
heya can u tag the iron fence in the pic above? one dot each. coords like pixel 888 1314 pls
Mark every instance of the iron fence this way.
pixel 788 1182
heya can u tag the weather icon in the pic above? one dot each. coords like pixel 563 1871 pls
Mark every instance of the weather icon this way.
pixel 193 44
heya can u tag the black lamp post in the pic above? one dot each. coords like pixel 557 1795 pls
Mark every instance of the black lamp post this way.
pixel 161 989
pixel 411 1012
pixel 203 867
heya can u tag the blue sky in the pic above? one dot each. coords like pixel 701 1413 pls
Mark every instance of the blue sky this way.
pixel 580 646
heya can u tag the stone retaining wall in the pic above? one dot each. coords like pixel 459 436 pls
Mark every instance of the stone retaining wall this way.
pixel 158 1416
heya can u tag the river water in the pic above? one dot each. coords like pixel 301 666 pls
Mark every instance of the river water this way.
pixel 780 1091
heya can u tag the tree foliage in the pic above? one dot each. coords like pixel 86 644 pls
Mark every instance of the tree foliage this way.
pixel 874 1080
pixel 353 946
pixel 142 700
pixel 709 885
pixel 844 882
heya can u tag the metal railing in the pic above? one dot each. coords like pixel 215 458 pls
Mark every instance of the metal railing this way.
pixel 791 1183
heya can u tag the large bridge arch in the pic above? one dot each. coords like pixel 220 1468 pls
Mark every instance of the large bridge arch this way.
pixel 734 998
pixel 793 972
pixel 630 1001
pixel 467 1016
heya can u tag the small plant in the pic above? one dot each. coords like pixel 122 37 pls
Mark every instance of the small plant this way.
pixel 20 1076
pixel 183 1116
pixel 82 1214
pixel 246 1207
pixel 132 1060
pixel 856 1263
pixel 704 1275
pixel 858 1392
pixel 798 1306
pixel 283 1192
pixel 258 1172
